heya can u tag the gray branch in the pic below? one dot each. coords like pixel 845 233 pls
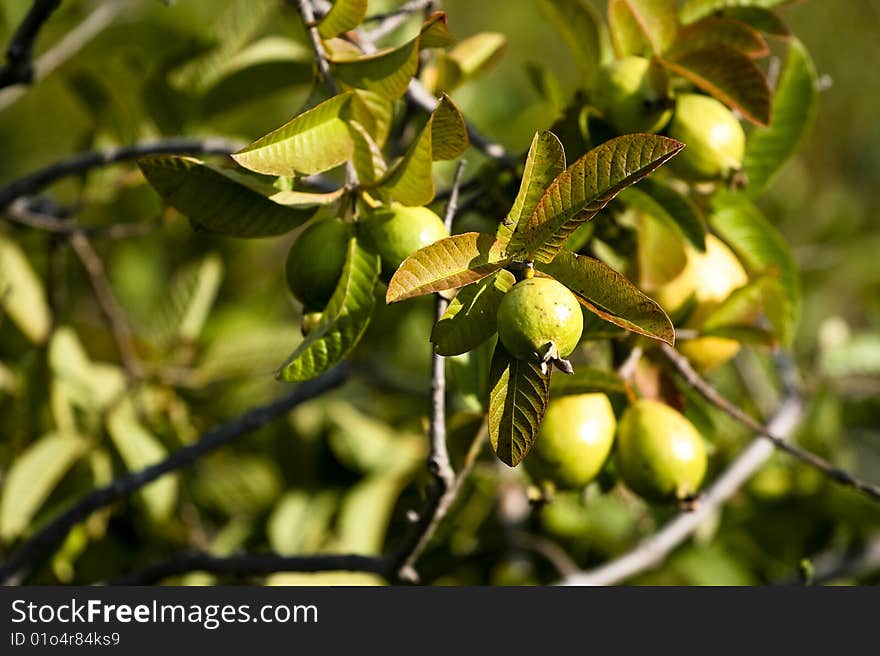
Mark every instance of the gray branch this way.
pixel 19 67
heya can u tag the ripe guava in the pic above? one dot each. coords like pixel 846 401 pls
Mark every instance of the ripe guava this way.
pixel 715 140
pixel 633 94
pixel 315 262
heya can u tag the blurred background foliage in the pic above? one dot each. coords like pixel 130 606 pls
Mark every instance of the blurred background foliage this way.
pixel 212 319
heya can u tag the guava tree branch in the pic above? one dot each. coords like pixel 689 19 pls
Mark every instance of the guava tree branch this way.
pixel 20 212
pixel 67 47
pixel 391 20
pixel 256 564
pixel 307 12
pixel 442 491
pixel 82 162
pixel 19 68
pixel 35 550
pixel 684 368
pixel 655 549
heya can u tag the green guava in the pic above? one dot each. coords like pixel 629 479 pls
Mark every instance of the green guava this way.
pixel 715 140
pixel 315 261
pixel 397 231
pixel 633 94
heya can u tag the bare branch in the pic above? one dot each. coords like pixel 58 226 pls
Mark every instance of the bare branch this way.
pixel 19 67
pixel 46 540
pixel 684 368
pixel 257 564
pixel 20 212
pixel 82 162
pixel 390 21
pixel 307 11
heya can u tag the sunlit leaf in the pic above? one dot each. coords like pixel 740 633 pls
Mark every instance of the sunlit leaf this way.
pixel 716 30
pixel 189 300
pixel 344 319
pixel 518 397
pixel 469 58
pixel 581 27
pixel 609 295
pixel 673 208
pixel 373 112
pixel 410 180
pixel 32 477
pixel 22 295
pixel 219 201
pixel 369 164
pixel 795 105
pixel 694 10
pixel 470 318
pixel 545 162
pixel 300 520
pixel 729 75
pixel 738 315
pixel 139 448
pixel 315 141
pixel 764 251
pixel 641 27
pixel 446 264
pixel 587 381
pixel 301 199
pixel 344 15
pixel 584 188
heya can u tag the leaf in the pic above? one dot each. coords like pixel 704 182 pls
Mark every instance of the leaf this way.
pixel 641 27
pixel 581 27
pixel 470 318
pixel 373 112
pixel 795 106
pixel 584 188
pixel 369 164
pixel 138 449
pixel 545 162
pixel 344 16
pixel 469 58
pixel 446 264
pixel 435 32
pixel 189 300
pixel 410 180
pixel 344 319
pixel 300 520
pixel 217 201
pixel 719 30
pixel 761 19
pixel 518 397
pixel 587 381
pixel 693 10
pixel 728 75
pixel 738 315
pixel 300 199
pixel 315 141
pixel 32 477
pixel 674 209
pixel 764 251
pixel 609 295
pixel 22 295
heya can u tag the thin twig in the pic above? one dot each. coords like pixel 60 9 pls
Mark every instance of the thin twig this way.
pixel 256 564
pixel 391 20
pixel 547 549
pixel 442 490
pixel 684 368
pixel 70 45
pixel 110 307
pixel 19 212
pixel 654 550
pixel 307 11
pixel 19 67
pixel 46 540
pixel 82 162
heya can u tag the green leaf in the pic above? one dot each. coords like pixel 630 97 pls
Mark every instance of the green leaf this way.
pixel 300 520
pixel 22 295
pixel 138 449
pixel 344 16
pixel 762 20
pixel 518 397
pixel 728 75
pixel 301 199
pixel 219 201
pixel 857 356
pixel 446 264
pixel 763 251
pixel 315 141
pixel 673 208
pixel 581 27
pixel 344 319
pixel 189 300
pixel 410 180
pixel 720 30
pixel 587 381
pixel 435 32
pixel 32 477
pixel 369 164
pixel 641 27
pixel 545 162
pixel 738 315
pixel 693 10
pixel 469 58
pixel 584 188
pixel 795 106
pixel 470 318
pixel 609 295
pixel 374 113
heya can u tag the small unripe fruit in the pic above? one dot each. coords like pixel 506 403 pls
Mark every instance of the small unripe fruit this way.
pixel 574 441
pixel 315 262
pixel 633 93
pixel 397 231
pixel 538 316
pixel 660 455
pixel 715 140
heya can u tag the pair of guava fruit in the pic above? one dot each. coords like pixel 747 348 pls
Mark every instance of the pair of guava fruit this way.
pixel 635 95
pixel 660 455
